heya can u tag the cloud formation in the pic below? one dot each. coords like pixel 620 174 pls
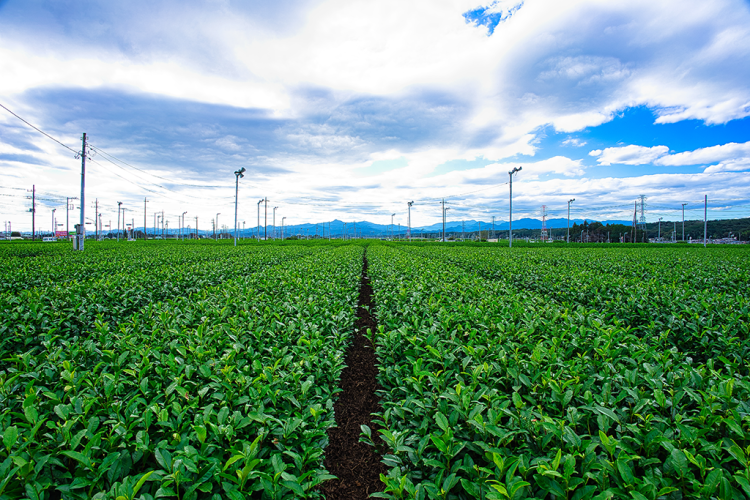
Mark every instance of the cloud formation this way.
pixel 703 156
pixel 305 94
pixel 629 155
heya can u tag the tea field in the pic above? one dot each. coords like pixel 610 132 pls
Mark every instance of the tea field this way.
pixel 204 371
pixel 564 373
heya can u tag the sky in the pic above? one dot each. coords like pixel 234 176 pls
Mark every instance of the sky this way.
pixel 349 109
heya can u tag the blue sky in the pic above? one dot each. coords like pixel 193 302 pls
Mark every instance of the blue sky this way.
pixel 349 109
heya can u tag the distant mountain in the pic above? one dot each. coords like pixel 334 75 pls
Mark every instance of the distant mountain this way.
pixel 336 228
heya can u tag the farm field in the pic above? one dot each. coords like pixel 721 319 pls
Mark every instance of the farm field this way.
pixel 214 380
pixel 201 370
pixel 565 373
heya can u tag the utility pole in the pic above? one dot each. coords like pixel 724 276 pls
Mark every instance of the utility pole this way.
pixel 33 212
pixel 265 222
pixel 83 194
pixel 463 236
pixel 196 227
pixel 282 228
pixel 96 218
pixel 145 233
pixel 705 219
pixel 510 219
pixel 569 202
pixel 409 204
pixel 493 227
pixel 392 235
pixel 183 225
pixel 119 204
pixel 659 234
pixel 163 235
pixel 123 223
pixel 257 232
pixel 154 224
pixel 67 215
pixel 683 221
pixel 54 227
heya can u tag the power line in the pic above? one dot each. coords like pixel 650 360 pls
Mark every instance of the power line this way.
pixel 38 129
pixel 110 157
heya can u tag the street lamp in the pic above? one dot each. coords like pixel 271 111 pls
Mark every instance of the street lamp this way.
pixel 510 219
pixel 216 227
pixel 237 174
pixel 119 204
pixel 54 226
pixel 274 222
pixel 659 237
pixel 392 215
pixel 445 211
pixel 409 204
pixel 569 202
pixel 258 233
pixel 282 228
pixel 683 221
pixel 183 225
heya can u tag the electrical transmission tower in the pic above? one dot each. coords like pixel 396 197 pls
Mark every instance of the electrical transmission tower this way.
pixel 544 224
pixel 642 218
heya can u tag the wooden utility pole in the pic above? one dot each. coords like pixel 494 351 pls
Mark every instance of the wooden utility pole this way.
pixel 33 212
pixel 83 194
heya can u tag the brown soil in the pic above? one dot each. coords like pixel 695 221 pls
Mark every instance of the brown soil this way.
pixel 356 465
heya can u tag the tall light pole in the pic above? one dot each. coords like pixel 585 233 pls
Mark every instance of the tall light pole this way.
pixel 683 221
pixel 443 210
pixel 237 174
pixel 493 227
pixel 183 224
pixel 119 204
pixel 216 228
pixel 274 222
pixel 569 202
pixel 392 215
pixel 409 204
pixel 510 219
pixel 265 221
pixel 705 219
pixel 258 231
pixel 282 228
pixel 659 236
pixel 54 227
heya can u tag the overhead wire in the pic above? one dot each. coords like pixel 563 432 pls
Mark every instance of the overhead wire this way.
pixel 39 130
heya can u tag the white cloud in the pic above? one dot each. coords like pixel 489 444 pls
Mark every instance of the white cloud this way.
pixel 630 155
pixel 572 64
pixel 737 165
pixel 575 142
pixel 707 155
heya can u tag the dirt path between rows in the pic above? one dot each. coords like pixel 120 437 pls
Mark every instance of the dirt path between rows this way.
pixel 356 465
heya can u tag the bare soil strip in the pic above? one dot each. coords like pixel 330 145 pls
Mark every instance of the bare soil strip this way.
pixel 356 465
